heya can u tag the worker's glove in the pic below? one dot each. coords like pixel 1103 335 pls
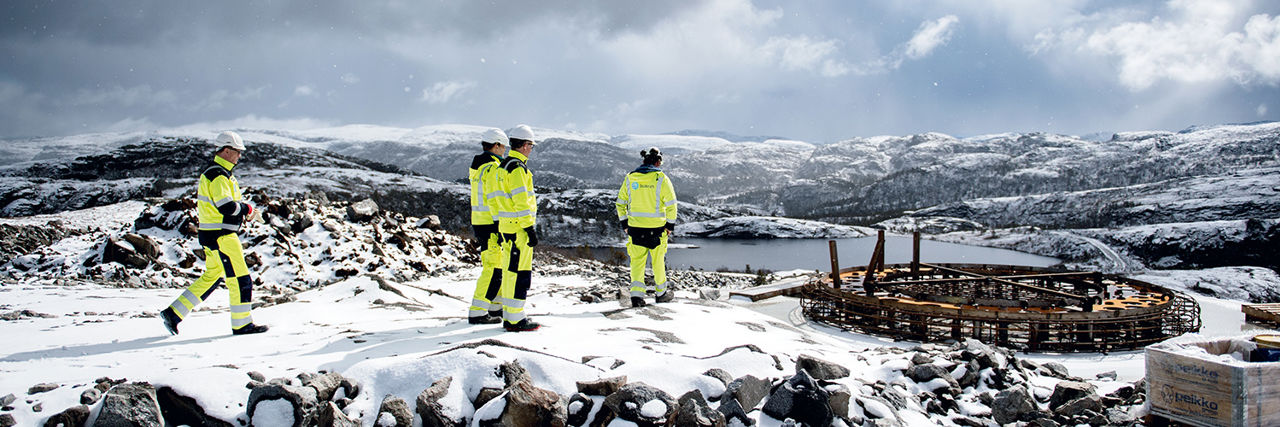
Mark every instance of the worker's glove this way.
pixel 254 215
pixel 671 227
pixel 533 235
pixel 622 223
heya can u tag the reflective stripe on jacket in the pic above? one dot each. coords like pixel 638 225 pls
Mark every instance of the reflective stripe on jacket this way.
pixel 647 199
pixel 218 199
pixel 484 185
pixel 518 207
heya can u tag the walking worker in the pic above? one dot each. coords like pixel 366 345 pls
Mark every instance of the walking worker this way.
pixel 517 215
pixel 222 211
pixel 647 211
pixel 485 307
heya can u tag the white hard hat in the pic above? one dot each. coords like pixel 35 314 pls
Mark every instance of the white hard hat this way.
pixel 230 139
pixel 494 136
pixel 522 132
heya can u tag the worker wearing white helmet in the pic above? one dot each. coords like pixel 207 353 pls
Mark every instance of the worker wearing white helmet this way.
pixel 517 218
pixel 485 305
pixel 222 212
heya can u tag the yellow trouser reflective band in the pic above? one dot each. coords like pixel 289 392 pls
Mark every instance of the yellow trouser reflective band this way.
pixel 241 308
pixel 181 309
pixel 637 289
pixel 513 316
pixel 240 323
pixel 479 307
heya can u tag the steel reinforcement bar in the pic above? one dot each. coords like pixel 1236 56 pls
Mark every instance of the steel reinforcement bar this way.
pixel 1029 331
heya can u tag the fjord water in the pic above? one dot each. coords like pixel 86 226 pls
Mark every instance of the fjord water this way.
pixel 813 254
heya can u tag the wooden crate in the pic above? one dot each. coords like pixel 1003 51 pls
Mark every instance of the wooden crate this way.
pixel 1204 392
pixel 1262 313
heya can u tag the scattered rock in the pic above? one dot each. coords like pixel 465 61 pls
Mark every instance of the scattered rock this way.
pixel 1014 404
pixel 90 396
pixel 326 385
pixel 430 222
pixel 512 373
pixel 529 405
pixel 257 376
pixel 1067 391
pixel 303 400
pixel 72 417
pixel 133 404
pixel 486 394
pixel 398 408
pixel 1056 370
pixel 1084 405
pixel 732 410
pixel 719 374
pixel 331 415
pixel 695 411
pixel 839 400
pixel 362 211
pixel 6 420
pixel 8 399
pixel 579 409
pixel 748 391
pixel 429 407
pixel 820 369
pixel 41 388
pixel 920 359
pixel 182 410
pixel 800 398
pixel 639 403
pixel 1109 375
pixel 602 386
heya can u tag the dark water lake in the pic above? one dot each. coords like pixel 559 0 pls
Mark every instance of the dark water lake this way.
pixel 814 254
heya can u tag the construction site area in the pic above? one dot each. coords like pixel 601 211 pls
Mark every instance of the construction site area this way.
pixel 1031 309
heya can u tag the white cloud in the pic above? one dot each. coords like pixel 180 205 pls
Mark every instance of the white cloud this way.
pixel 443 92
pixel 1262 110
pixel 350 78
pixel 252 121
pixel 798 53
pixel 218 98
pixel 1194 41
pixel 304 91
pixel 141 95
pixel 930 35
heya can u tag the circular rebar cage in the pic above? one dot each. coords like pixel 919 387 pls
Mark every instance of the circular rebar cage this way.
pixel 1025 308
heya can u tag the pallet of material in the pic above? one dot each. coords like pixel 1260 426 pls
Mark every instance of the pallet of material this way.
pixel 1261 313
pixel 1208 383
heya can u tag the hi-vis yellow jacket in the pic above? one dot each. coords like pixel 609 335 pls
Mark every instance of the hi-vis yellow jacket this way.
pixel 647 199
pixel 484 187
pixel 218 199
pixel 518 206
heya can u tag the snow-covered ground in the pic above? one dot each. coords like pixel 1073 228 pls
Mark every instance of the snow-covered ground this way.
pixel 397 338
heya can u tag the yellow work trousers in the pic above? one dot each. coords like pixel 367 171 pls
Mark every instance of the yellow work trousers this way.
pixel 486 297
pixel 517 277
pixel 223 265
pixel 658 256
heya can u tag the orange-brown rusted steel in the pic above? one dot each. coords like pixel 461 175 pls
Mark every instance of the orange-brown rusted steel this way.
pixel 1027 308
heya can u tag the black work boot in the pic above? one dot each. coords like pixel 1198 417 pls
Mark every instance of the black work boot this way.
pixel 524 325
pixel 637 302
pixel 171 320
pixel 666 296
pixel 250 329
pixel 487 319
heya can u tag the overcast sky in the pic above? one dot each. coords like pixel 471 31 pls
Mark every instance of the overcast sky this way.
pixel 815 70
